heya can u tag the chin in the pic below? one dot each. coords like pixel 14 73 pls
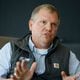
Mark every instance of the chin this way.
pixel 47 42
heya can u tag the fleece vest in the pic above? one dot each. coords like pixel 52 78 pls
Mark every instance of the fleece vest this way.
pixel 56 60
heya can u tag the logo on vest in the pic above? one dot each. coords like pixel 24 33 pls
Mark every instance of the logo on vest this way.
pixel 56 65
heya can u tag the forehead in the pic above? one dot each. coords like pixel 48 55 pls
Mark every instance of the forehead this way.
pixel 45 13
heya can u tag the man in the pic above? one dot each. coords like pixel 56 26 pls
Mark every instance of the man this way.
pixel 39 55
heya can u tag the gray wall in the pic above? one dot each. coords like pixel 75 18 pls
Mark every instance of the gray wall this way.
pixel 14 16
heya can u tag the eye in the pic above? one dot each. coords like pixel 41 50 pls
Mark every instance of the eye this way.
pixel 43 22
pixel 54 25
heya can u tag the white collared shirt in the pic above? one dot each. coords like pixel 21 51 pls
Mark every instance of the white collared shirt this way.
pixel 39 55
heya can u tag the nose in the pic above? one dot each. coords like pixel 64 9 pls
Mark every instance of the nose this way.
pixel 48 27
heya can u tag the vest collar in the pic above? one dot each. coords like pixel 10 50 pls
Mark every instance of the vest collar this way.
pixel 23 43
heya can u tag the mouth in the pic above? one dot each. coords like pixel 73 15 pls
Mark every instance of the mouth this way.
pixel 47 34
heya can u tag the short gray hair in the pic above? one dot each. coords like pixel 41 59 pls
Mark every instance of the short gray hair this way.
pixel 49 7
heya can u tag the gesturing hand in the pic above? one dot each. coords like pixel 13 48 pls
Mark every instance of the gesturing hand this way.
pixel 65 77
pixel 22 72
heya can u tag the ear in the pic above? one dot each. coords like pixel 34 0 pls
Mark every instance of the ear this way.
pixel 30 25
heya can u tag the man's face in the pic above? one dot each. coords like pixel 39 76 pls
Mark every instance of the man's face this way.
pixel 44 27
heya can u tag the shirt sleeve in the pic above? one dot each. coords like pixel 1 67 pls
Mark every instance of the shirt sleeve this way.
pixel 74 66
pixel 5 56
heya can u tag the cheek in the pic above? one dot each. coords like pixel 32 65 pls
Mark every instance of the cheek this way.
pixel 55 30
pixel 54 33
pixel 35 30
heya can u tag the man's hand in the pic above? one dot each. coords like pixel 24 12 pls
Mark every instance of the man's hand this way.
pixel 65 77
pixel 22 72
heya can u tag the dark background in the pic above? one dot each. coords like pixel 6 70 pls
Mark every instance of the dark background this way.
pixel 14 16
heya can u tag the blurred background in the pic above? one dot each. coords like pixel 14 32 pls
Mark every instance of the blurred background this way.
pixel 14 16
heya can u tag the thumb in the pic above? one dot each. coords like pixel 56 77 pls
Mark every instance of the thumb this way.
pixel 63 74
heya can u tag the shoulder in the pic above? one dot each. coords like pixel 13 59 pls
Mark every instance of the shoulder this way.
pixel 5 53
pixel 73 57
pixel 6 49
pixel 74 63
pixel 6 46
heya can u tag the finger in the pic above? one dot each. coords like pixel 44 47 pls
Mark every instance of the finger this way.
pixel 77 75
pixel 24 66
pixel 18 66
pixel 17 73
pixel 18 69
pixel 75 78
pixel 33 67
pixel 63 74
pixel 12 77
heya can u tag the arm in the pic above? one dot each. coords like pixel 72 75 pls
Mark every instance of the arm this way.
pixel 5 54
pixel 74 68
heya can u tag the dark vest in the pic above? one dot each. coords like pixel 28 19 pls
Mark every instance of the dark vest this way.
pixel 56 60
